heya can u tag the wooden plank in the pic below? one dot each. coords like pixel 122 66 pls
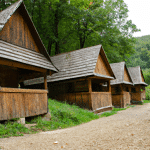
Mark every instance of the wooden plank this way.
pixel 15 19
pixel 15 90
pixel 126 75
pixel 101 66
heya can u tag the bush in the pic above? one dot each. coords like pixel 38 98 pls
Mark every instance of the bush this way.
pixel 148 92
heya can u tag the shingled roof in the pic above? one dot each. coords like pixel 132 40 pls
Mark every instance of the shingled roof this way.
pixel 136 75
pixel 76 64
pixel 20 54
pixel 118 69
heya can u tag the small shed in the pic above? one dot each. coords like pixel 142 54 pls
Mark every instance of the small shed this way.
pixel 138 90
pixel 22 56
pixel 121 86
pixel 83 79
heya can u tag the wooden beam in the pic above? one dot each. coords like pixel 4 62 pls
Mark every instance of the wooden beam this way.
pixel 45 81
pixel 122 103
pixel 90 85
pixel 109 86
pixel 20 65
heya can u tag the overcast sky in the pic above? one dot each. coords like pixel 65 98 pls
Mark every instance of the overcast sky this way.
pixel 139 13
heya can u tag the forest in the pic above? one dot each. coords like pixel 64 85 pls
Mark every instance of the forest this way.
pixel 66 25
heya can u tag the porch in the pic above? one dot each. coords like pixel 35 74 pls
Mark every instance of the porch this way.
pixel 18 103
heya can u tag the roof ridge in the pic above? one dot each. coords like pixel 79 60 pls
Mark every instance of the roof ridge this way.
pixel 75 50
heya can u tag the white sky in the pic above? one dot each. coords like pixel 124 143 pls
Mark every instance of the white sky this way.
pixel 139 13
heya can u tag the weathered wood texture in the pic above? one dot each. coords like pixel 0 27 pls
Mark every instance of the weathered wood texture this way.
pixel 117 100
pixel 101 66
pixel 143 94
pixel 17 103
pixel 126 98
pixel 137 75
pixel 101 99
pixel 121 95
pixel 93 100
pixel 81 99
pixel 17 32
pixel 138 95
pixel 121 100
pixel 126 75
pixel 23 56
pixel 142 77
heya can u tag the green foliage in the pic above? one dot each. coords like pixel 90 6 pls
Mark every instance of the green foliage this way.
pixel 12 129
pixel 67 26
pixel 141 57
pixel 146 101
pixel 148 92
pixel 146 73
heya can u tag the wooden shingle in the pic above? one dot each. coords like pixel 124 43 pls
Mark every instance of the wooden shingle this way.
pixel 137 75
pixel 119 71
pixel 76 64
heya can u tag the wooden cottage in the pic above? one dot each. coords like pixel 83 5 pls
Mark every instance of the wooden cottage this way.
pixel 83 78
pixel 121 86
pixel 22 56
pixel 138 90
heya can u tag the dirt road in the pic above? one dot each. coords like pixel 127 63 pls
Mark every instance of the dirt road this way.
pixel 128 129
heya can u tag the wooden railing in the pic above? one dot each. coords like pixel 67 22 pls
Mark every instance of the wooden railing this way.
pixel 101 99
pixel 17 103
pixel 88 100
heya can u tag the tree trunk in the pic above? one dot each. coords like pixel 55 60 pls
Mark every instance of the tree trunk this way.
pixel 49 46
pixel 57 51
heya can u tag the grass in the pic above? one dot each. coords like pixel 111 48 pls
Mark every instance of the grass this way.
pixel 146 101
pixel 112 112
pixel 63 115
pixel 12 129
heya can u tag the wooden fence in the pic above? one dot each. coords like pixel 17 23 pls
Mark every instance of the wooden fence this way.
pixel 17 103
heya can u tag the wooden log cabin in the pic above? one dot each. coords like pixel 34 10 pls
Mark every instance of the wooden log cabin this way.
pixel 121 86
pixel 138 90
pixel 83 79
pixel 22 56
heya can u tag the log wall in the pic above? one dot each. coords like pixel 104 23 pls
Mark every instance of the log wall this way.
pixel 17 103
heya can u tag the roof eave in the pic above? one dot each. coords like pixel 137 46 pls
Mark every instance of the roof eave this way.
pixel 103 76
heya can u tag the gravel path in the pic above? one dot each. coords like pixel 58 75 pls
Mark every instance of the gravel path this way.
pixel 128 129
